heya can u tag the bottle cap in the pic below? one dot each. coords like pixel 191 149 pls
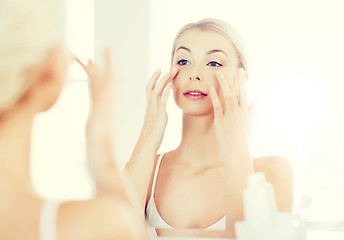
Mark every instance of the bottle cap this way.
pixel 256 179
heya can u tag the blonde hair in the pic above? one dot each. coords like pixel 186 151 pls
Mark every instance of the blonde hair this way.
pixel 28 29
pixel 222 28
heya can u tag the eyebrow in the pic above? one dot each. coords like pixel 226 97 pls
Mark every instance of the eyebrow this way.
pixel 207 53
pixel 216 51
pixel 185 48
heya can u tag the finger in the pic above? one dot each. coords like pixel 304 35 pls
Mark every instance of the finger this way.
pixel 158 91
pixel 174 73
pixel 226 91
pixel 90 63
pixel 89 68
pixel 150 85
pixel 218 111
pixel 161 85
pixel 109 63
pixel 154 79
pixel 242 88
pixel 234 102
pixel 110 75
pixel 84 66
pixel 110 79
pixel 164 97
pixel 92 70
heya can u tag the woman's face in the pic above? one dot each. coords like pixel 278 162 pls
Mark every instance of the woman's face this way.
pixel 199 54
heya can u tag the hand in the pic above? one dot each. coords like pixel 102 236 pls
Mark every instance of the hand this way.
pixel 232 121
pixel 99 124
pixel 101 85
pixel 156 116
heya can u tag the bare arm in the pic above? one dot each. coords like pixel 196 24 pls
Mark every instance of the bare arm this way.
pixel 139 171
pixel 99 141
pixel 104 217
pixel 140 168
pixel 232 128
pixel 113 213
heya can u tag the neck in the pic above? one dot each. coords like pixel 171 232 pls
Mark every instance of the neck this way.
pixel 199 143
pixel 15 136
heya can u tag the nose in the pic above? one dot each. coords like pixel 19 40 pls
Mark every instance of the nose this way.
pixel 197 78
pixel 195 74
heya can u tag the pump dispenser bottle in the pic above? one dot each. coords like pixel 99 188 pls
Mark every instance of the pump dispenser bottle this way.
pixel 262 221
pixel 259 201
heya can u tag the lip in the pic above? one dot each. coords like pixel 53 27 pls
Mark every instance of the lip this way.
pixel 195 94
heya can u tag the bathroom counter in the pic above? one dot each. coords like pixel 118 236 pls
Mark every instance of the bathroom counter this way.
pixel 312 235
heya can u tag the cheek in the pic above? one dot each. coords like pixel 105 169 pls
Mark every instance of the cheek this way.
pixel 230 79
pixel 179 80
pixel 210 79
pixel 182 74
pixel 176 86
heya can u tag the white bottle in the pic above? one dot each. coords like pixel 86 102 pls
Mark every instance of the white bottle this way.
pixel 259 201
pixel 259 209
pixel 262 221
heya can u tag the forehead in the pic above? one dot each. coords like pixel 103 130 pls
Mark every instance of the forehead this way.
pixel 205 40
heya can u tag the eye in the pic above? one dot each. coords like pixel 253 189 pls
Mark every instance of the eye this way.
pixel 214 64
pixel 183 62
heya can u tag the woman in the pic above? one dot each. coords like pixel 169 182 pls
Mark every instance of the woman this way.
pixel 199 185
pixel 32 71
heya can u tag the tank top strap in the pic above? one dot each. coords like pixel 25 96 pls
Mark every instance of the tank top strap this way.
pixel 48 218
pixel 156 174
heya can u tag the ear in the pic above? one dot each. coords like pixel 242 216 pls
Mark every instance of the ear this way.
pixel 49 78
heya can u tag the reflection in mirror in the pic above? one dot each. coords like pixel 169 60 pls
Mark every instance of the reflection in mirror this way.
pixel 200 183
pixel 296 74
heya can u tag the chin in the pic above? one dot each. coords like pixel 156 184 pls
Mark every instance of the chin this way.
pixel 197 110
pixel 194 108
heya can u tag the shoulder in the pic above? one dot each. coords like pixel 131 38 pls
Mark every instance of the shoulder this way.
pixel 278 172
pixel 277 169
pixel 271 164
pixel 103 217
pixel 166 156
pixel 18 210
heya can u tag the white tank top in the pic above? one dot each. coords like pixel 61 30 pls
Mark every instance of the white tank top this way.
pixel 153 216
pixel 47 222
